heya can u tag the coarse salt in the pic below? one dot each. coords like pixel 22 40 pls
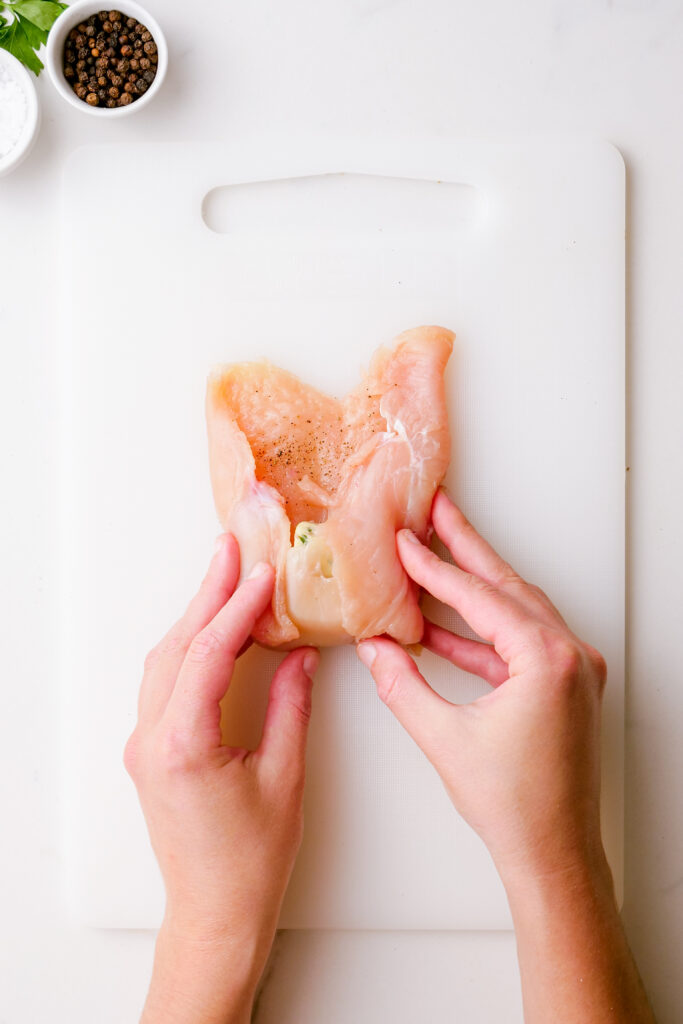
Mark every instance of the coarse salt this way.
pixel 13 111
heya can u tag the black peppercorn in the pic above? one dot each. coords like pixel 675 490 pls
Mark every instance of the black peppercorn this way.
pixel 110 59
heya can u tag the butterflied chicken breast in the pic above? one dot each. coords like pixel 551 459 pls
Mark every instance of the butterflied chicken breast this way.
pixel 318 487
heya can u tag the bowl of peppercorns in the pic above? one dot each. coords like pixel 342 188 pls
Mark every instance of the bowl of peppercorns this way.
pixel 106 62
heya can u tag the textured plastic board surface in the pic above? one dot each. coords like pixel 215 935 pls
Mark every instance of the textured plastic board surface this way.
pixel 315 260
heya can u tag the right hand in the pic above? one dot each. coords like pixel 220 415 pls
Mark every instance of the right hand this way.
pixel 520 764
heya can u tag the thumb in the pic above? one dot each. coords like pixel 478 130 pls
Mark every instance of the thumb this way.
pixel 425 715
pixel 285 729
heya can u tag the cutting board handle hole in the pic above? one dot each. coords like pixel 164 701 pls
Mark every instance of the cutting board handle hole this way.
pixel 341 204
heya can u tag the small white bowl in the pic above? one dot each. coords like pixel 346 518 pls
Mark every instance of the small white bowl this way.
pixel 24 143
pixel 54 59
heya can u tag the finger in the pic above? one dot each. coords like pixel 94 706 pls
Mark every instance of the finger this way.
pixel 470 655
pixel 193 711
pixel 285 730
pixel 425 715
pixel 470 551
pixel 494 615
pixel 163 662
pixel 475 555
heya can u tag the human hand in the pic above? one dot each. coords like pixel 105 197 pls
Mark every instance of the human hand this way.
pixel 225 823
pixel 520 764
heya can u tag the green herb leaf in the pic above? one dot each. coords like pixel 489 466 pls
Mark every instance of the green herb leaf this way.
pixel 42 13
pixel 36 36
pixel 14 39
pixel 28 29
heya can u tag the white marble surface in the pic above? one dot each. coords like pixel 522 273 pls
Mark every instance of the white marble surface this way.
pixel 364 67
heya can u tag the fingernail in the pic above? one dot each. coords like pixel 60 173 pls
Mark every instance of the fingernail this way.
pixel 409 535
pixel 259 570
pixel 220 544
pixel 311 662
pixel 367 653
pixel 444 490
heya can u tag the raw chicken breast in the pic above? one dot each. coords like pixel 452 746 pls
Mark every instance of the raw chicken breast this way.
pixel 318 487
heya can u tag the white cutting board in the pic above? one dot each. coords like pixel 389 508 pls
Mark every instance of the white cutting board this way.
pixel 321 253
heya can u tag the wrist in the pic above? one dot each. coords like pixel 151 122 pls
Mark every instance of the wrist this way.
pixel 201 927
pixel 574 959
pixel 573 852
pixel 570 875
pixel 204 977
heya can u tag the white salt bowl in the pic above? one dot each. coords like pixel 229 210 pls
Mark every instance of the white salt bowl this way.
pixel 22 146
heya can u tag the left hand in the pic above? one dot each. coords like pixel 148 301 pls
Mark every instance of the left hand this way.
pixel 225 823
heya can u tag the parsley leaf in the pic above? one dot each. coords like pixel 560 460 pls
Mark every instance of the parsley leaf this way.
pixel 14 38
pixel 28 30
pixel 36 36
pixel 42 13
